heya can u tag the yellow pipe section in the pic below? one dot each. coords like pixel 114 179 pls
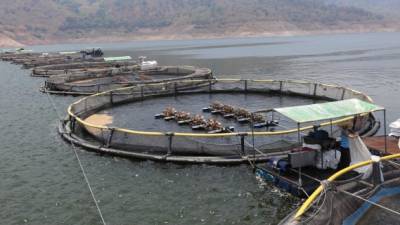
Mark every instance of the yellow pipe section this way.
pixel 265 133
pixel 304 207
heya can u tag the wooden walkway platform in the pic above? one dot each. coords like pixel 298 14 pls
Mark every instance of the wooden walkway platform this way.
pixel 377 143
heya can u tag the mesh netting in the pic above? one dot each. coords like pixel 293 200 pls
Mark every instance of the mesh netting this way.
pixel 71 69
pixel 260 143
pixel 354 202
pixel 89 82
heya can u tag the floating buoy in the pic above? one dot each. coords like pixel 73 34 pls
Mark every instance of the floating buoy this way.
pixel 230 115
pixel 159 116
pixel 260 125
pixel 223 130
pixel 269 123
pixel 184 122
pixel 230 128
pixel 206 109
pixel 243 120
pixel 168 118
pixel 199 127
pixel 215 131
pixel 273 123
pixel 215 112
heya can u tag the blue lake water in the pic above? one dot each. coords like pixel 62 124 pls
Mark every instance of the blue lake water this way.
pixel 41 182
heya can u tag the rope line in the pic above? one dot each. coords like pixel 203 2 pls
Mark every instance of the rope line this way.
pixel 324 192
pixel 320 205
pixel 80 164
pixel 371 202
pixel 394 163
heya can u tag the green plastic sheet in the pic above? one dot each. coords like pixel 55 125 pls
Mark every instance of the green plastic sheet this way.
pixel 118 58
pixel 327 111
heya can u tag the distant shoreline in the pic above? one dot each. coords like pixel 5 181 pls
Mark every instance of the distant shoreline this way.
pixel 6 42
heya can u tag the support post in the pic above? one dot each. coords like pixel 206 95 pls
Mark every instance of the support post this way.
pixel 272 116
pixel 209 86
pixel 252 138
pixel 110 137
pixel 175 89
pixel 111 98
pixel 377 175
pixel 343 92
pixel 331 136
pixel 141 92
pixel 242 136
pixel 298 133
pixel 245 85
pixel 169 135
pixel 300 178
pixel 384 129
pixel 167 90
pixel 315 89
pixel 72 121
pixel 280 86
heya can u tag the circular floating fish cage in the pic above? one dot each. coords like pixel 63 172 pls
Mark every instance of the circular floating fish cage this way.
pixel 91 82
pixel 29 59
pixel 15 56
pixel 43 60
pixel 138 127
pixel 83 68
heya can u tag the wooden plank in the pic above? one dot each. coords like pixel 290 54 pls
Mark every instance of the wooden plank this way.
pixel 378 143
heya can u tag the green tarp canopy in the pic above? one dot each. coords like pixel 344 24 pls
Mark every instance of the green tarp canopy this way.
pixel 327 111
pixel 67 53
pixel 118 58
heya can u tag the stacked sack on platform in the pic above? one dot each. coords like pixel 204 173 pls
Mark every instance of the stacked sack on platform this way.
pixel 395 128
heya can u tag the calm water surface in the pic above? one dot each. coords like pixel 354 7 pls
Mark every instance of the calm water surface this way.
pixel 140 115
pixel 40 179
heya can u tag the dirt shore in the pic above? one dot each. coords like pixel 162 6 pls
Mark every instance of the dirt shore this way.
pixel 7 42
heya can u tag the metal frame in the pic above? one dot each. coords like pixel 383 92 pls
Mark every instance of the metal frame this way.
pixel 331 127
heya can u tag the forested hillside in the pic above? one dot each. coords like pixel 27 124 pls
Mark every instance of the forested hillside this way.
pixel 44 21
pixel 388 8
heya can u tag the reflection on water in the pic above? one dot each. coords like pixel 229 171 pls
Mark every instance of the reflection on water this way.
pixel 42 184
